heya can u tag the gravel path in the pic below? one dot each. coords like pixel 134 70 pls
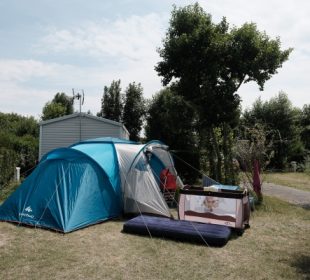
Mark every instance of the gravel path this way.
pixel 291 195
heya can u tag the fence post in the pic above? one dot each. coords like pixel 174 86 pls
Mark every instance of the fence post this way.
pixel 17 174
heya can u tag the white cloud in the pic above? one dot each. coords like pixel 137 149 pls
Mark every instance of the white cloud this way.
pixel 26 85
pixel 292 79
pixel 126 49
pixel 24 101
pixel 134 38
pixel 22 70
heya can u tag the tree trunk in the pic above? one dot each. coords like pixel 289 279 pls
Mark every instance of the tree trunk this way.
pixel 217 151
pixel 233 169
pixel 226 153
pixel 256 181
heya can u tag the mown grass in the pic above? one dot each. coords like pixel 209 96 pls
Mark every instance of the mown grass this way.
pixel 295 180
pixel 277 246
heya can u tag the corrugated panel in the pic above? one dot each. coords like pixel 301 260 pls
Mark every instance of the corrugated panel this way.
pixel 59 134
pixel 93 129
pixel 69 131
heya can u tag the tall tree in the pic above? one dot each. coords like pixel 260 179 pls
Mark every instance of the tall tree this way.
pixel 209 62
pixel 134 110
pixel 60 105
pixel 171 119
pixel 111 102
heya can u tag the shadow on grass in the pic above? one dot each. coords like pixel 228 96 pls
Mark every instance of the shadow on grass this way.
pixel 302 264
pixel 306 206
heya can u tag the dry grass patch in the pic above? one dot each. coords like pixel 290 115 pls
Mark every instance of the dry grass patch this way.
pixel 276 246
pixel 295 180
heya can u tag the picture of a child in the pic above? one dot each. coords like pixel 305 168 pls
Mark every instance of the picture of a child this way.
pixel 210 203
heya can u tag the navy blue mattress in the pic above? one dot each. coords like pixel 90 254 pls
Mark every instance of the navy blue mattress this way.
pixel 214 235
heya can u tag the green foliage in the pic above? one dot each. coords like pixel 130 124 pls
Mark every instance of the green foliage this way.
pixel 210 58
pixel 252 145
pixel 27 126
pixel 134 110
pixel 128 108
pixel 8 161
pixel 61 105
pixel 18 145
pixel 19 125
pixel 207 63
pixel 171 120
pixel 282 124
pixel 305 126
pixel 53 110
pixel 65 100
pixel 111 102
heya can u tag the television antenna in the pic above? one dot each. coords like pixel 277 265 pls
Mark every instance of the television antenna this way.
pixel 79 96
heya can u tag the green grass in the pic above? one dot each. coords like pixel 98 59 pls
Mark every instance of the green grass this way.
pixel 295 180
pixel 277 246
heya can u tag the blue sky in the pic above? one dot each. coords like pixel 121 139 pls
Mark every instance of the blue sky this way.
pixel 53 46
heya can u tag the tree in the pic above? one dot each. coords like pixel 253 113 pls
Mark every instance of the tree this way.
pixel 209 62
pixel 305 124
pixel 111 102
pixel 134 110
pixel 19 142
pixel 61 105
pixel 65 100
pixel 53 110
pixel 171 119
pixel 282 120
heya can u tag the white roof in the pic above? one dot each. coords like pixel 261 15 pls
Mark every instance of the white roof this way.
pixel 74 115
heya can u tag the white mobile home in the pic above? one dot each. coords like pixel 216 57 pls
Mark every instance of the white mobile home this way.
pixel 66 130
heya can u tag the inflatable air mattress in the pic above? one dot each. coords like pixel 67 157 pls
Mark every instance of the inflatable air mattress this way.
pixel 213 235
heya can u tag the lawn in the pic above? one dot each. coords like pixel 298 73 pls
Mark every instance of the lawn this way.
pixel 277 246
pixel 295 180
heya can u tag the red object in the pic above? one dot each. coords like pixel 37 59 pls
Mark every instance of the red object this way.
pixel 256 178
pixel 167 180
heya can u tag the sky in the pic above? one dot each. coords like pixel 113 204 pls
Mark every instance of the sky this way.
pixel 50 46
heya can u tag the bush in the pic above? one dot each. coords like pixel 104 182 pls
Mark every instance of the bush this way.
pixel 8 189
pixel 8 161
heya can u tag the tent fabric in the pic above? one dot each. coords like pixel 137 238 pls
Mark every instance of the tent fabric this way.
pixel 87 183
pixel 157 167
pixel 140 189
pixel 67 191
pixel 105 156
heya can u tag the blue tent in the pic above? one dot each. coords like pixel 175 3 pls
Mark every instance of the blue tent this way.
pixel 87 183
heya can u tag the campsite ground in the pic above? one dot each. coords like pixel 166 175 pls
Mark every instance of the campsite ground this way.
pixel 296 180
pixel 276 246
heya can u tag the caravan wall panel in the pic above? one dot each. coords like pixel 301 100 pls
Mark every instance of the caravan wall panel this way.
pixel 66 132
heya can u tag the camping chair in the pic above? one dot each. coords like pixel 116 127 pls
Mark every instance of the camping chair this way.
pixel 168 186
